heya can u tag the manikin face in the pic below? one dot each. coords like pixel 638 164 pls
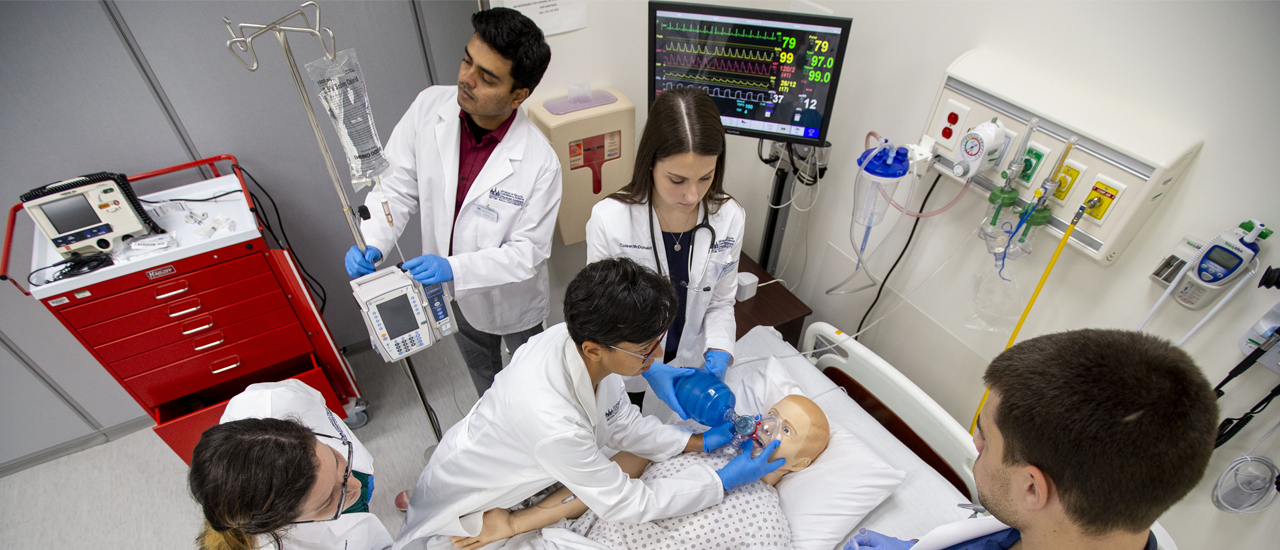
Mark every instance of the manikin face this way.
pixel 322 502
pixel 680 181
pixel 801 440
pixel 484 82
pixel 990 472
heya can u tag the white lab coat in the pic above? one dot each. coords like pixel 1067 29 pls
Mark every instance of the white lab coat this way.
pixel 617 229
pixel 499 265
pixel 541 422
pixel 293 399
pixel 951 534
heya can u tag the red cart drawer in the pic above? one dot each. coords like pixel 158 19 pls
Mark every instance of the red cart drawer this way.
pixel 170 290
pixel 177 331
pixel 183 433
pixel 217 366
pixel 213 339
pixel 181 310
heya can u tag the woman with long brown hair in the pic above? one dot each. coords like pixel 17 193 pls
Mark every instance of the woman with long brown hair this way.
pixel 675 218
pixel 281 471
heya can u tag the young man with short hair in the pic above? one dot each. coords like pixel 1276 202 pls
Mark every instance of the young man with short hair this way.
pixel 1087 438
pixel 488 186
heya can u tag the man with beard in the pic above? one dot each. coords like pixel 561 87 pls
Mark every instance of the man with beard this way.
pixel 487 184
pixel 1087 438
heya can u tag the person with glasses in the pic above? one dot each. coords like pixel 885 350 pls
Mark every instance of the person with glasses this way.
pixel 675 217
pixel 559 412
pixel 282 471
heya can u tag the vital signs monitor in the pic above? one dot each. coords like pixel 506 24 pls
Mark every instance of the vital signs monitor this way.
pixel 772 74
pixel 403 318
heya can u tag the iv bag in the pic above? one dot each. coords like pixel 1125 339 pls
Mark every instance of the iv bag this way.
pixel 343 94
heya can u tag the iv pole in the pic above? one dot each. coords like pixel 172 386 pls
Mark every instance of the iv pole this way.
pixel 245 45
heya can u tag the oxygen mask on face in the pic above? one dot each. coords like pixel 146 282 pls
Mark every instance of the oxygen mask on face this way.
pixel 761 430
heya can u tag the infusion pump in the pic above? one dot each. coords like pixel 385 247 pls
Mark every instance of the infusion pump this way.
pixel 402 316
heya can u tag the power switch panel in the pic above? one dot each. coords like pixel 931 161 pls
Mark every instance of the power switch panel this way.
pixel 1108 191
pixel 951 125
pixel 1072 171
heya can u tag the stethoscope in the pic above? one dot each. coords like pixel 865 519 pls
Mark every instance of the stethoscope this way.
pixel 693 237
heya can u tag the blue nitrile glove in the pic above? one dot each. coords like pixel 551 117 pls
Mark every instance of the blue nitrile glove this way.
pixel 717 362
pixel 743 469
pixel 359 266
pixel 871 540
pixel 717 437
pixel 429 269
pixel 662 379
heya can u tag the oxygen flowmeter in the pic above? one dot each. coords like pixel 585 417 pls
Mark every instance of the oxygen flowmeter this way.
pixel 402 316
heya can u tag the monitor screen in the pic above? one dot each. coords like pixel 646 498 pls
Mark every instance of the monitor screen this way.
pixel 70 214
pixel 397 316
pixel 772 74
pixel 1220 256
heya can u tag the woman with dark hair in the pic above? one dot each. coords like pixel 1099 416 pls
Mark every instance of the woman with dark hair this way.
pixel 282 471
pixel 674 217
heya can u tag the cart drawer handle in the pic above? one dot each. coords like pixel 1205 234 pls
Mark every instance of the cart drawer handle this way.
pixel 227 368
pixel 174 293
pixel 209 345
pixel 185 311
pixel 198 329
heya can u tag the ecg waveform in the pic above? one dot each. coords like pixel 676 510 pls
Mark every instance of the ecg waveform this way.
pixel 722 31
pixel 715 64
pixel 736 53
pixel 714 91
pixel 715 80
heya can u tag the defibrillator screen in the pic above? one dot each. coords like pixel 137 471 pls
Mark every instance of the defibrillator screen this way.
pixel 397 316
pixel 70 214
pixel 1220 256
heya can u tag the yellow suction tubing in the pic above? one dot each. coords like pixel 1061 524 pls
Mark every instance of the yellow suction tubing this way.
pixel 1048 269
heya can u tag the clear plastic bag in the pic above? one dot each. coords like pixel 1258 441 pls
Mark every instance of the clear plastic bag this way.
pixel 343 94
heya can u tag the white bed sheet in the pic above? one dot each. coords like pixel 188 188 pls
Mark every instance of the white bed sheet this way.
pixel 924 500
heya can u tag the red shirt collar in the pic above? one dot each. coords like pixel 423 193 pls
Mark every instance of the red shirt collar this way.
pixel 494 135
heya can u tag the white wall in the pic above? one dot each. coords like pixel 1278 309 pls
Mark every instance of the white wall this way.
pixel 1208 67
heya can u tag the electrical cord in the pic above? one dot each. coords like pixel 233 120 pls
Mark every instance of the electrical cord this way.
pixel 318 288
pixel 1232 426
pixel 194 200
pixel 77 264
pixel 910 236
pixel 1272 336
pixel 772 158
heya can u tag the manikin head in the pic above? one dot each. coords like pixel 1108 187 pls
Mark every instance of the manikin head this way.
pixel 804 433
pixel 616 311
pixel 1092 434
pixel 501 65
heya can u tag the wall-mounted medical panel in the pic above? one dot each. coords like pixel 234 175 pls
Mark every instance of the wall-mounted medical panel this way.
pixel 1130 160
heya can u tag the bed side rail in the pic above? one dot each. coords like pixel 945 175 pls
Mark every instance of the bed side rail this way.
pixel 897 403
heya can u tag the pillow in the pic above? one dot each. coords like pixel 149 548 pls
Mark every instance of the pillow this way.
pixel 825 501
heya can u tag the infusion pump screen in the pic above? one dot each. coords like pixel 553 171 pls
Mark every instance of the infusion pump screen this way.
pixel 397 316
pixel 70 214
pixel 773 75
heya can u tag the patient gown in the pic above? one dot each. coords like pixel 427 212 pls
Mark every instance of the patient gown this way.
pixel 750 517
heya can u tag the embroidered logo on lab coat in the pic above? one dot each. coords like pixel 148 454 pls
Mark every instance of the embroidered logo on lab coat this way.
pixel 613 411
pixel 724 244
pixel 507 197
pixel 635 246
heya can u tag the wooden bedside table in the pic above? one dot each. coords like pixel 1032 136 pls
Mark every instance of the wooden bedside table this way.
pixel 772 306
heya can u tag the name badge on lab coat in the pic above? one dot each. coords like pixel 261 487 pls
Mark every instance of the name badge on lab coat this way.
pixel 487 213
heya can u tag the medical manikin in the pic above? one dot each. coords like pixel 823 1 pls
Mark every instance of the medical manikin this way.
pixel 749 516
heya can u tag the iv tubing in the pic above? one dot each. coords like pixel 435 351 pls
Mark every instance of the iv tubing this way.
pixel 1048 269
pixel 1220 303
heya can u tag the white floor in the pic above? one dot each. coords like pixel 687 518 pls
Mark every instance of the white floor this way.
pixel 131 492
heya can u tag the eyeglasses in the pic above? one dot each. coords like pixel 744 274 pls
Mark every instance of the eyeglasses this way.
pixel 644 357
pixel 342 497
